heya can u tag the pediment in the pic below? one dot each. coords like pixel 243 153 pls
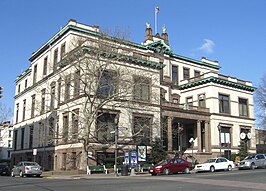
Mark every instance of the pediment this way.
pixel 160 47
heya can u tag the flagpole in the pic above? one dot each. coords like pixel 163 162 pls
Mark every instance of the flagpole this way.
pixel 155 20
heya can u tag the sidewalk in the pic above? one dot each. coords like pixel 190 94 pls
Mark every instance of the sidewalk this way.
pixel 71 175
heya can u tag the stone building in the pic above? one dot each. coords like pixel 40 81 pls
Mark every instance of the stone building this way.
pixel 146 91
pixel 6 138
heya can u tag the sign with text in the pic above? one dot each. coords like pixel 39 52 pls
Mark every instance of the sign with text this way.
pixel 126 159
pixel 133 158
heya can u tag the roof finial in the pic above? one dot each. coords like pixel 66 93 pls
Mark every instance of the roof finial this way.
pixel 148 25
pixel 164 29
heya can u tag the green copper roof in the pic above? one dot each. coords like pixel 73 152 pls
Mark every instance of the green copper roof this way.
pixel 160 47
pixel 120 57
pixel 218 81
pixel 23 75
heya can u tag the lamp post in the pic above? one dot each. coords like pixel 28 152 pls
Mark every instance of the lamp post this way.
pixel 116 138
pixel 192 140
pixel 219 130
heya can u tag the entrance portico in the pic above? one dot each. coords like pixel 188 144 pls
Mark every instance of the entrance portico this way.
pixel 182 125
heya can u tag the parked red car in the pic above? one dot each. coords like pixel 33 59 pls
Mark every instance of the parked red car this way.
pixel 174 165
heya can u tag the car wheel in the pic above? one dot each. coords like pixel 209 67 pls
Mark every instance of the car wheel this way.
pixel 212 169
pixel 252 166
pixel 166 171
pixel 21 174
pixel 229 168
pixel 38 175
pixel 187 171
pixel 12 174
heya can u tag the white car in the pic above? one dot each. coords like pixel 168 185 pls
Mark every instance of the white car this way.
pixel 214 164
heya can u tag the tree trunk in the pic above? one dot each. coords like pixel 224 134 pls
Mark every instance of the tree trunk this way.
pixel 83 160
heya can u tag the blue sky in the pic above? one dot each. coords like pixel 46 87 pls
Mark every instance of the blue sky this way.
pixel 232 32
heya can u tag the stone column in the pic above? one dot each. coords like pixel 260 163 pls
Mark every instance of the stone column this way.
pixel 207 136
pixel 169 133
pixel 199 135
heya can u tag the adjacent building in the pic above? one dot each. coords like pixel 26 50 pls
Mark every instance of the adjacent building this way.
pixel 83 88
pixel 6 141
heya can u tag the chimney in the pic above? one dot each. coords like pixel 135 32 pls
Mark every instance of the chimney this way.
pixel 148 32
pixel 165 36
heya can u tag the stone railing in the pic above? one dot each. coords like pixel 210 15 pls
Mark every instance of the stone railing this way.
pixel 184 107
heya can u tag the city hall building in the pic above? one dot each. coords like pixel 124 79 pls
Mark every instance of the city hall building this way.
pixel 83 88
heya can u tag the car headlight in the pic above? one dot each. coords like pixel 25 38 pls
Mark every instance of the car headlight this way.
pixel 158 166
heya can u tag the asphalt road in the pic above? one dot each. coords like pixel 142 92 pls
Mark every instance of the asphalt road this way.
pixel 245 180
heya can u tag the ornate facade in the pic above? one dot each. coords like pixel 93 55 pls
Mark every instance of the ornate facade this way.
pixel 188 103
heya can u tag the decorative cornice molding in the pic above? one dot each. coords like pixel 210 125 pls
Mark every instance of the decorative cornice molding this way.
pixel 218 81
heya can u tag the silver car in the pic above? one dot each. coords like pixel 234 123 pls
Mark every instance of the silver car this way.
pixel 253 161
pixel 26 168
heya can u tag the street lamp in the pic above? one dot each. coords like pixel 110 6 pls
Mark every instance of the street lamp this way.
pixel 192 140
pixel 220 145
pixel 116 120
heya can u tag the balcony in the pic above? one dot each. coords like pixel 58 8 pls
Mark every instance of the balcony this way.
pixel 184 107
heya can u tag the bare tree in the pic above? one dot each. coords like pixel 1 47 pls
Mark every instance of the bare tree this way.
pixel 260 99
pixel 5 113
pixel 98 81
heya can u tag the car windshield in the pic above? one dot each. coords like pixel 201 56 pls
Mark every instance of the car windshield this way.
pixel 31 164
pixel 210 161
pixel 250 157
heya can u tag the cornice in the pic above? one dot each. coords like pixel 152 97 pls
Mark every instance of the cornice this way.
pixel 218 81
pixel 25 73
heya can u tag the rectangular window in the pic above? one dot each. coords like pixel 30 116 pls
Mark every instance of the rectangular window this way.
pixel 31 137
pixel 189 101
pixel 175 75
pixel 107 84
pixel 9 144
pixel 142 88
pixel 243 107
pixel 225 136
pixel 34 74
pixel 77 83
pixel 55 58
pixel 17 112
pixel 224 103
pixel 52 101
pixel 65 128
pixel 201 99
pixel 196 73
pixel 141 130
pixel 45 66
pixel 75 123
pixel 67 87
pixel 32 105
pixel 22 138
pixel 43 101
pixel 24 110
pixel 26 83
pixel 105 125
pixel 10 133
pixel 186 73
pixel 41 134
pixel 15 139
pixel 18 88
pixel 59 91
pixel 63 50
pixel 51 132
